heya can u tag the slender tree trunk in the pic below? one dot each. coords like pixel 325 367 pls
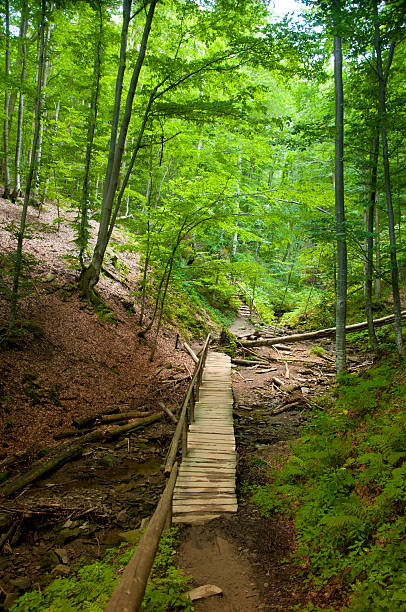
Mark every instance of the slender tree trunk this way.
pixel 383 80
pixel 17 161
pixel 238 190
pixel 35 200
pixel 91 128
pixel 38 110
pixel 127 4
pixel 341 301
pixel 91 275
pixel 377 276
pixel 313 283
pixel 161 311
pixel 369 250
pixel 148 192
pixel 254 284
pixel 6 123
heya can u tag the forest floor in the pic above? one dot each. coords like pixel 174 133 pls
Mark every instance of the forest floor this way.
pixel 67 365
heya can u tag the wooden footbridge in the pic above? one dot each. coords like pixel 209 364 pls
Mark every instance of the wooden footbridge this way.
pixel 203 487
pixel 206 480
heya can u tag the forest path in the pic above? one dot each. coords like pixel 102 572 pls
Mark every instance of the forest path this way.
pixel 245 554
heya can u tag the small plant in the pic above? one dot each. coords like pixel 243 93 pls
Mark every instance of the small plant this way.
pixel 91 586
pixel 318 351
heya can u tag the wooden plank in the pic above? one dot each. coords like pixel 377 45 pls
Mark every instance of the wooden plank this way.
pixel 225 462
pixel 205 489
pixel 204 482
pixel 211 467
pixel 217 438
pixel 204 507
pixel 206 429
pixel 206 463
pixel 196 517
pixel 210 495
pixel 192 477
pixel 215 455
pixel 201 481
pixel 212 447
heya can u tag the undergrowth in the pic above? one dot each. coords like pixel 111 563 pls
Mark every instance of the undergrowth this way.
pixel 91 586
pixel 345 483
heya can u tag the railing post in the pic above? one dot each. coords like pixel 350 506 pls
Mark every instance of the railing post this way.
pixel 168 520
pixel 184 438
pixel 192 406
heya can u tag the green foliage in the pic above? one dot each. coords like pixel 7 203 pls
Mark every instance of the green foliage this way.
pixel 90 587
pixel 346 478
pixel 265 501
pixel 319 351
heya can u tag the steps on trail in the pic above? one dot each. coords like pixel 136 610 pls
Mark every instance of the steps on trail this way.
pixel 205 487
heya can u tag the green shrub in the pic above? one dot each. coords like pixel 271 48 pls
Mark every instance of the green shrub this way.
pixel 346 480
pixel 91 586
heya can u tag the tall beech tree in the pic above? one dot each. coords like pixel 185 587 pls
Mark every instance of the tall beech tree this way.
pixel 90 275
pixel 341 298
pixel 383 71
pixel 30 177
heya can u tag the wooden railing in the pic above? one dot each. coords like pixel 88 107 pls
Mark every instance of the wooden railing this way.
pixel 129 592
pixel 187 413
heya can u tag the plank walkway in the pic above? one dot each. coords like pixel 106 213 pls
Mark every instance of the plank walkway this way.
pixel 205 486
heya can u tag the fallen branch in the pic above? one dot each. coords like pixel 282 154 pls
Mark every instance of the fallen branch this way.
pixel 168 412
pixel 321 333
pixel 40 469
pixel 89 420
pixel 8 534
pixel 123 416
pixel 248 362
pixel 111 434
pixel 191 352
pixel 291 406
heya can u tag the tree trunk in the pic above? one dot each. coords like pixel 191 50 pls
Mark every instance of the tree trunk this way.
pixel 341 302
pixel 6 123
pixel 42 76
pixel 40 469
pixel 369 251
pixel 91 275
pixel 17 162
pixel 38 110
pixel 91 127
pixel 383 80
pixel 377 277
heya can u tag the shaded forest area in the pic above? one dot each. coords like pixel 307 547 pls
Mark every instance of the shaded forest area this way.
pixel 170 169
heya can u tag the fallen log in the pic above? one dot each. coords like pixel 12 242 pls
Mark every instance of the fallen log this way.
pixel 110 434
pixel 321 333
pixel 123 416
pixel 248 362
pixel 89 420
pixel 191 352
pixel 168 412
pixel 291 406
pixel 40 469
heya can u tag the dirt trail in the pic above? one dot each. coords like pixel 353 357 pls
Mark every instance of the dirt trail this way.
pixel 212 557
pixel 244 554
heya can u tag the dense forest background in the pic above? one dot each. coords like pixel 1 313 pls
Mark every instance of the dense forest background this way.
pixel 206 131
